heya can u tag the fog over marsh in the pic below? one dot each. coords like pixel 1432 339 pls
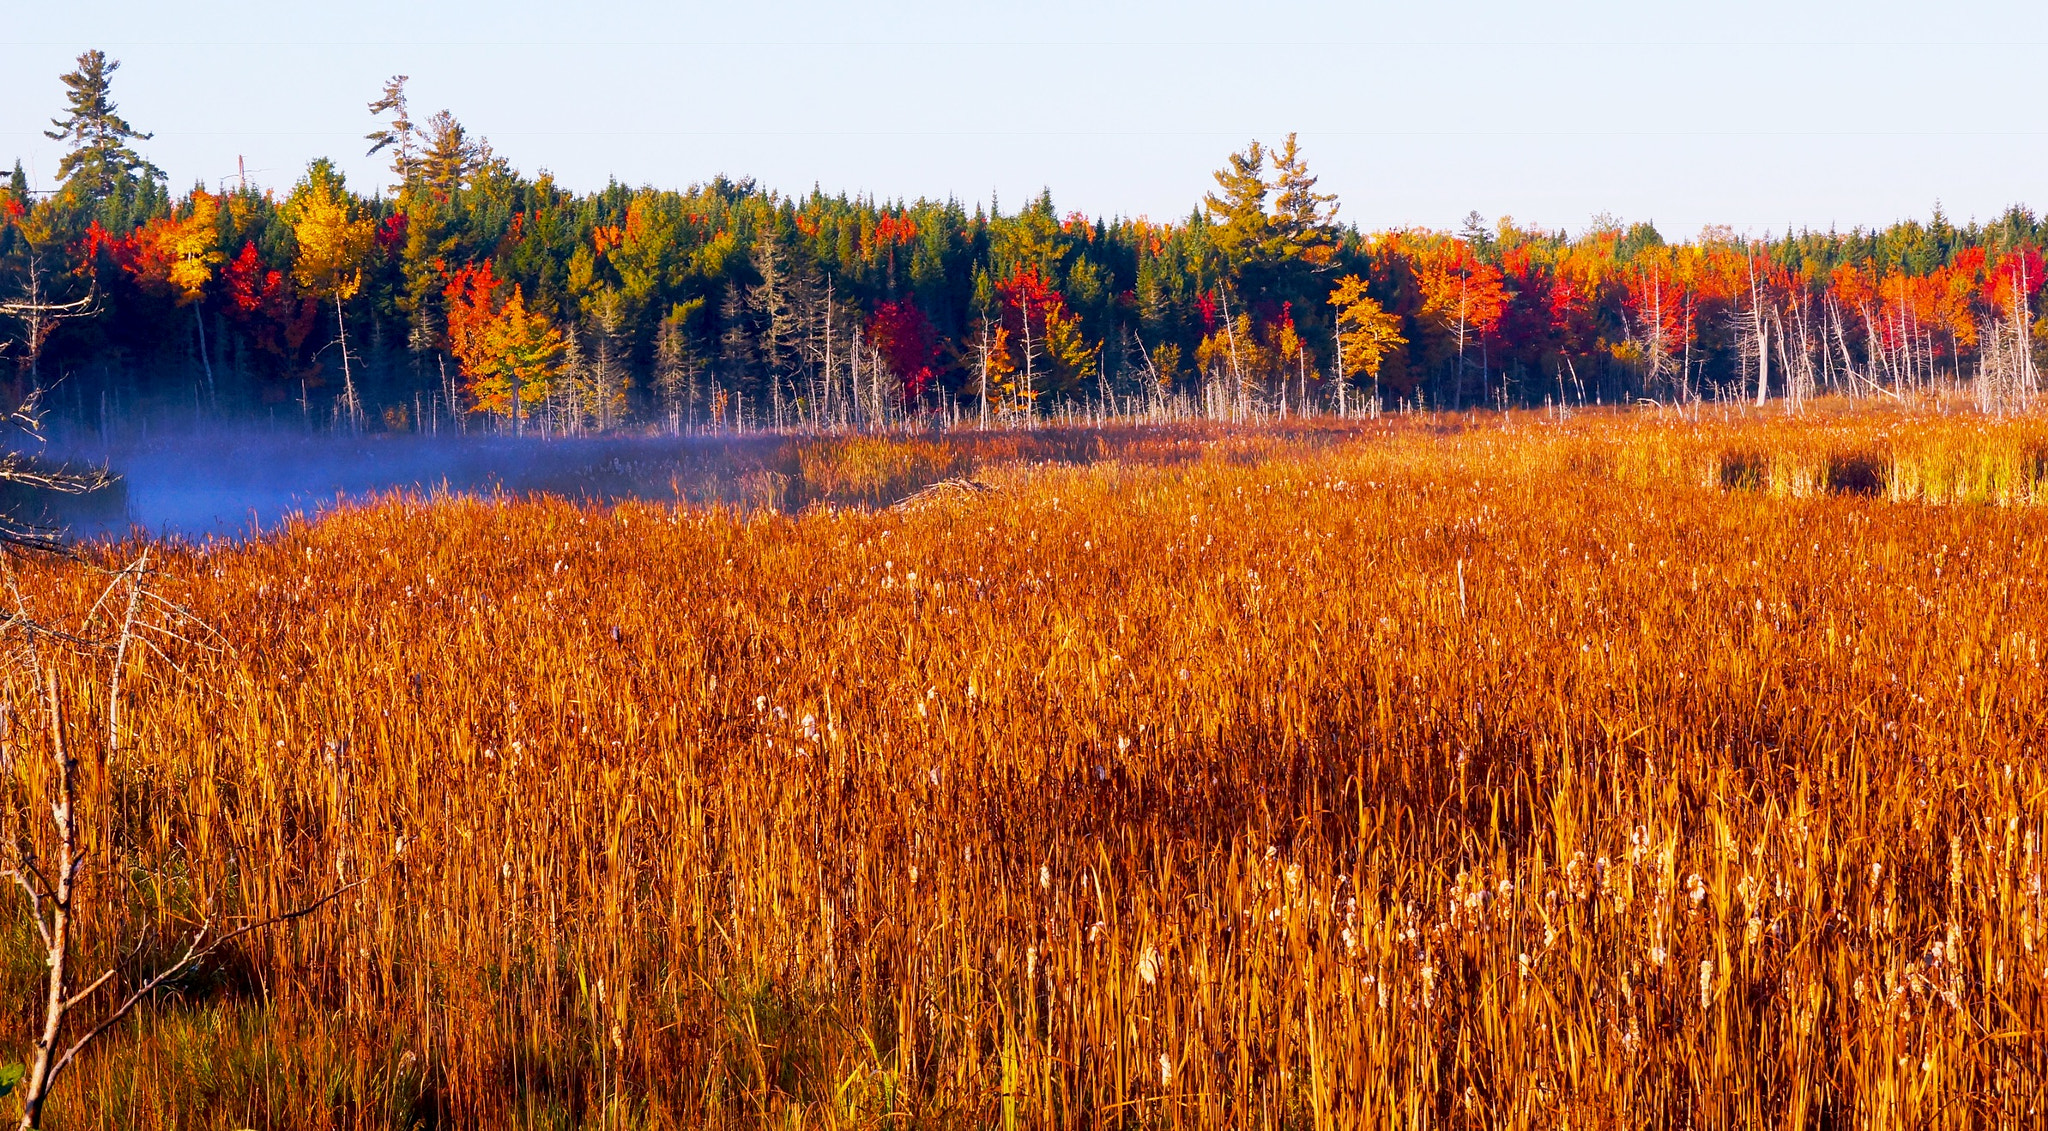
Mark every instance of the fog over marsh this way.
pixel 231 484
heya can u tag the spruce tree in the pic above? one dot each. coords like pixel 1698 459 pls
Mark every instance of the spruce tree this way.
pixel 100 159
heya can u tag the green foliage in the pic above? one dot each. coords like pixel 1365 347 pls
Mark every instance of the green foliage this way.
pixel 1238 208
pixel 100 160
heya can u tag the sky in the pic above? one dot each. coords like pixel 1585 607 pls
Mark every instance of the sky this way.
pixel 1755 115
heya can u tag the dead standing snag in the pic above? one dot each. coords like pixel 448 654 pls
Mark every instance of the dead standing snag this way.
pixel 51 884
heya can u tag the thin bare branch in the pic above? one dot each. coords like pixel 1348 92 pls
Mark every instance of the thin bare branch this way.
pixel 35 904
pixel 88 991
pixel 135 574
pixel 75 306
pixel 196 952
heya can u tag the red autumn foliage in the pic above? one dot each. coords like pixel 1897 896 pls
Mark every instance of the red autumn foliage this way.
pixel 97 240
pixel 469 302
pixel 906 338
pixel 2017 272
pixel 141 256
pixel 391 233
pixel 1028 294
pixel 895 230
pixel 275 319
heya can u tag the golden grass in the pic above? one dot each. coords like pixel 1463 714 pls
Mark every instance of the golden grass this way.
pixel 1522 775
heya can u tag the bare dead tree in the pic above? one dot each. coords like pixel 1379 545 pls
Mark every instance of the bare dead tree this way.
pixel 70 1016
pixel 2007 379
pixel 40 316
pixel 21 432
pixel 1760 330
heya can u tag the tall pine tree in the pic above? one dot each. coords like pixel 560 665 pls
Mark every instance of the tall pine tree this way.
pixel 399 135
pixel 100 160
pixel 1239 210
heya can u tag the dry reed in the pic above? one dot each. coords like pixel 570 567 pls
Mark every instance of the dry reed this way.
pixel 1519 775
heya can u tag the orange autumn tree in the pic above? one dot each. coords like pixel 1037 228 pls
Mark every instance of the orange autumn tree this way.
pixel 509 356
pixel 1954 289
pixel 996 385
pixel 469 303
pixel 1462 297
pixel 177 256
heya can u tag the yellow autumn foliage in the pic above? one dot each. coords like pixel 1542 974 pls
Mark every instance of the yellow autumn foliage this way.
pixel 192 245
pixel 1367 332
pixel 331 241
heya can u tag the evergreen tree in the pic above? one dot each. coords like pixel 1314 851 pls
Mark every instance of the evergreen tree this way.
pixel 1239 210
pixel 736 342
pixel 1477 235
pixel 677 365
pixel 100 160
pixel 451 158
pixel 1303 218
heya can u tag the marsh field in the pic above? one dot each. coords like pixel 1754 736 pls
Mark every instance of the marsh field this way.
pixel 1614 770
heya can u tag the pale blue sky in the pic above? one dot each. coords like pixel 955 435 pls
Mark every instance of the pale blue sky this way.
pixel 1753 114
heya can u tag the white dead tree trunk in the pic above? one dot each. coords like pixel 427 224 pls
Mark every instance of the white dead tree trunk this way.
pixel 40 318
pixel 50 878
pixel 1761 330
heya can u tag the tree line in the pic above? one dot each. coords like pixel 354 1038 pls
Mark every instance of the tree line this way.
pixel 465 294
